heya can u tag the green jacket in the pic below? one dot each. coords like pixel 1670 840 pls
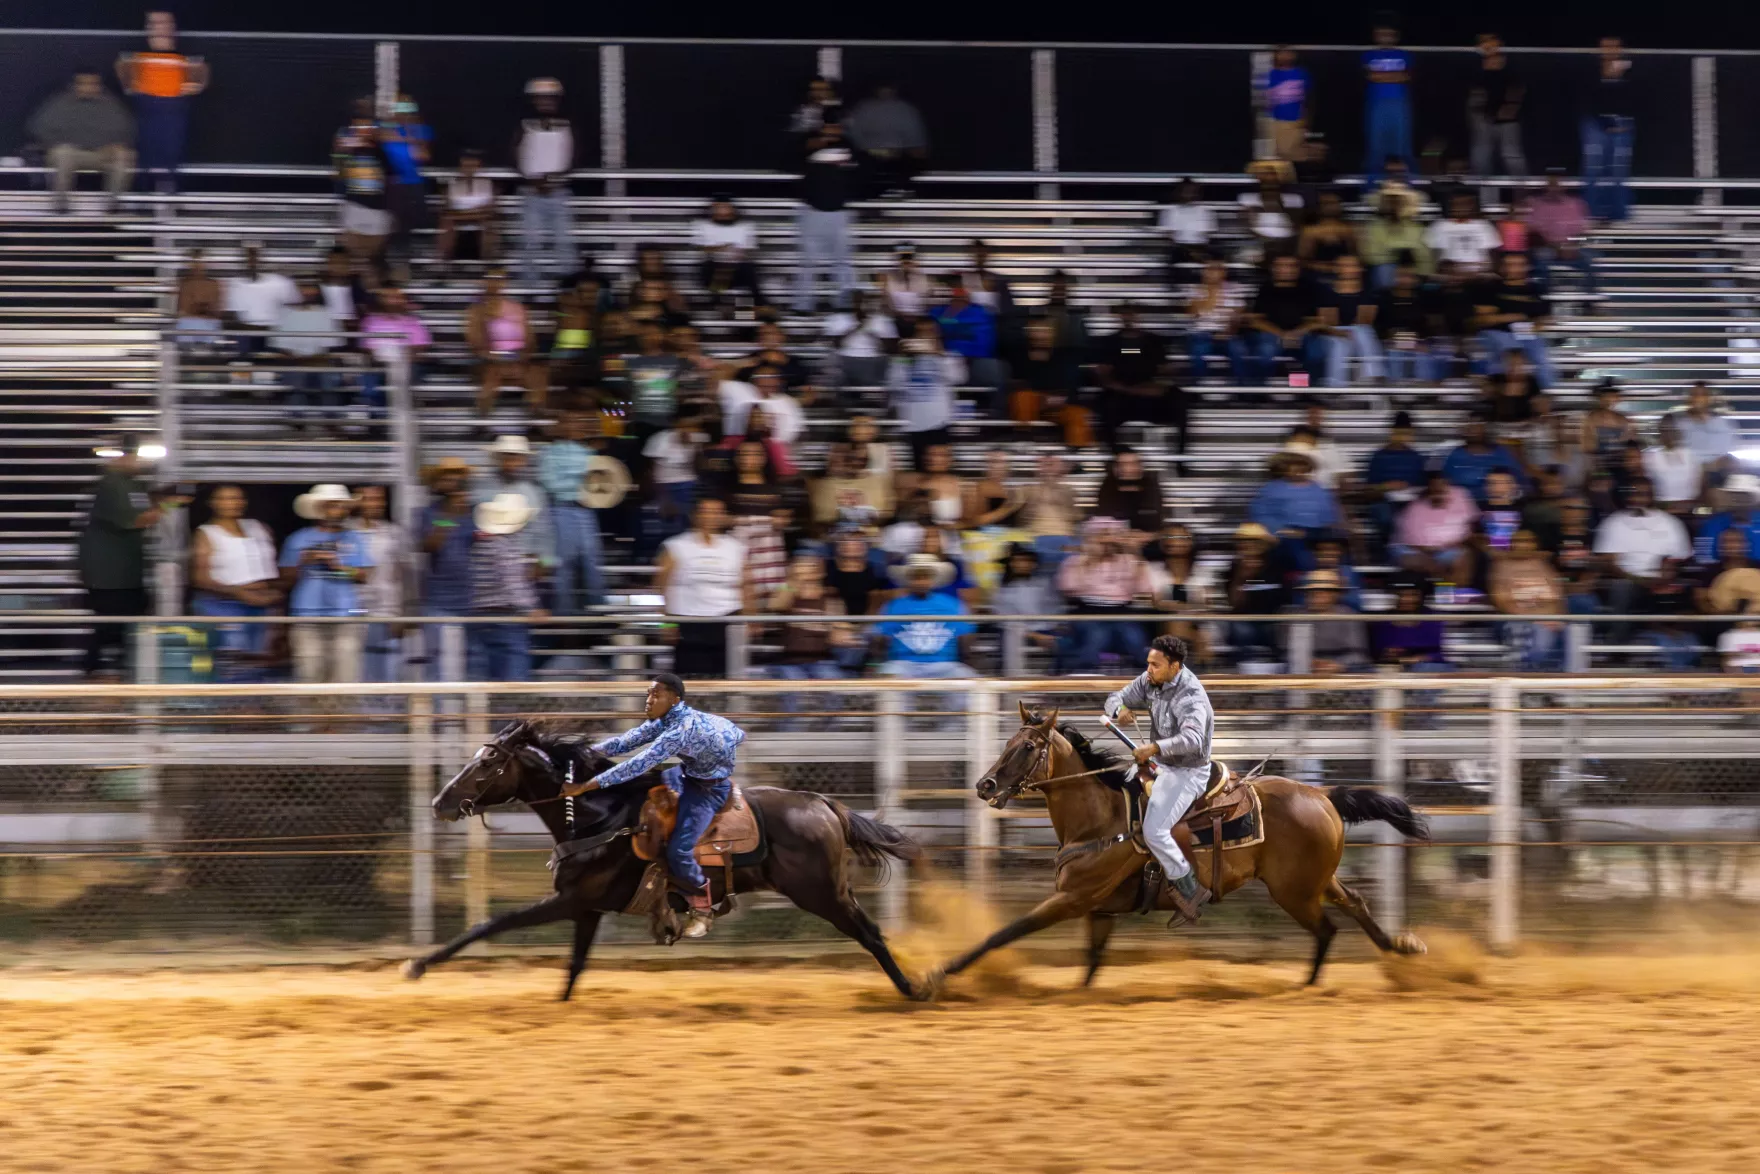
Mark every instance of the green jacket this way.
pixel 1383 240
pixel 112 550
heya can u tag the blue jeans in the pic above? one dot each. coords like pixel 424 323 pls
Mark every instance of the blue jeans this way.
pixel 1541 648
pixel 545 233
pixel 824 248
pixel 817 670
pixel 1387 131
pixel 163 125
pixel 246 639
pixel 382 656
pixel 698 801
pixel 1358 340
pixel 1422 365
pixel 1546 258
pixel 1607 164
pixel 500 652
pixel 433 643
pixel 1080 651
pixel 1680 650
pixel 1254 354
pixel 1200 345
pixel 1052 549
pixel 579 552
pixel 1533 347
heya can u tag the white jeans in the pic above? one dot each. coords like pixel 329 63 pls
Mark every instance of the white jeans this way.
pixel 1176 788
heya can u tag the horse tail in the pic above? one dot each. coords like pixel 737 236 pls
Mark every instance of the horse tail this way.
pixel 872 841
pixel 1365 805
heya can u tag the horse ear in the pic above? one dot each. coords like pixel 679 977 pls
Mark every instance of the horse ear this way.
pixel 1026 714
pixel 1051 718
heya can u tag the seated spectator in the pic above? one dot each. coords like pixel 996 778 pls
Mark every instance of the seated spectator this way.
pixel 233 572
pixel 1510 397
pixel 729 245
pixel 1739 495
pixel 1069 323
pixel 1268 211
pixel 861 335
pixel 1181 586
pixel 1331 467
pixel 702 573
pixel 857 573
pixel 993 499
pixel 1432 535
pixel 502 571
pixel 255 300
pixel 1255 586
pixel 1452 305
pixel 1293 506
pixel 1131 495
pixel 947 491
pixel 931 649
pixel 1412 643
pixel 773 352
pixel 846 496
pixel 1394 238
pixel 1332 553
pixel 1738 649
pixel 905 287
pixel 1500 516
pixel 1026 591
pixel 1466 239
pixel 653 373
pixel 1340 645
pixel 1326 239
pixel 1282 320
pixel 944 543
pixel 394 334
pixel 322 568
pixel 1673 469
pixel 969 330
pixel 1347 325
pixel 1635 542
pixel 1512 316
pixel 1215 305
pixel 1668 598
pixel 991 290
pixel 894 143
pixel 1606 428
pixel 358 155
pixel 1045 383
pixel 344 291
pixel 1396 180
pixel 1558 227
pixel 468 227
pixel 1189 224
pixel 1406 329
pixel 761 518
pixel 1394 476
pixel 920 380
pixel 1049 514
pixel 1106 576
pixel 1471 462
pixel 86 128
pixel 306 338
pixel 1711 435
pixel 499 333
pixel 657 302
pixel 1129 367
pixel 1524 582
pixel 200 303
pixel 827 651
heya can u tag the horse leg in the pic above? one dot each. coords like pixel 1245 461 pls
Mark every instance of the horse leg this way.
pixel 555 907
pixel 1310 914
pixel 1352 902
pixel 585 926
pixel 1100 927
pixel 848 917
pixel 1053 909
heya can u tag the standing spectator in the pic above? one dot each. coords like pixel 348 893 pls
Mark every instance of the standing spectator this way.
pixel 1215 306
pixel 499 333
pixel 1189 224
pixel 255 300
pixel 1558 227
pixel 467 213
pixel 162 81
pixel 545 155
pixel 969 330
pixel 1432 536
pixel 1281 321
pixel 811 651
pixel 1285 101
pixel 387 593
pixel 1388 105
pixel 1347 326
pixel 112 551
pixel 1394 476
pixel 502 570
pixel 920 380
pixel 1465 239
pixel 728 244
pixel 1673 469
pixel 1129 367
pixel 1711 435
pixel 905 286
pixel 562 471
pixel 85 128
pixel 1607 134
pixel 1471 463
pixel 445 532
pixel 823 223
pixel 1394 237
pixel 822 105
pixel 363 168
pixel 861 335
pixel 323 567
pixel 702 573
pixel 512 456
pixel 925 649
pixel 889 133
pixel 1106 577
pixel 408 143
pixel 1512 316
pixel 1524 582
pixel 1494 111
pixel 233 571
pixel 1340 645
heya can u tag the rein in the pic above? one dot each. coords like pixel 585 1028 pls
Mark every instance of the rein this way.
pixel 1069 852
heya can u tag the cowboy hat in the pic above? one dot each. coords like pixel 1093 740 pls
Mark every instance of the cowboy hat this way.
pixel 1253 530
pixel 505 513
pixel 311 505
pixel 1323 581
pixel 604 482
pixel 511 443
pixel 1742 483
pixel 942 570
pixel 543 86
pixel 445 465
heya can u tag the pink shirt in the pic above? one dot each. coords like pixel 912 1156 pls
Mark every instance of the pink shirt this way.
pixel 408 328
pixel 1438 527
pixel 1558 220
pixel 1110 582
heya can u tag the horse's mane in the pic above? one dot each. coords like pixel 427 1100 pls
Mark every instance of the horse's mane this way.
pixel 1111 766
pixel 566 750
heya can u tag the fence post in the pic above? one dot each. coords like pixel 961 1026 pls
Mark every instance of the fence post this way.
pixel 1045 118
pixel 889 802
pixel 1576 647
pixel 1258 70
pixel 385 80
pixel 830 62
pixel 476 859
pixel 1390 859
pixel 981 821
pixel 421 820
pixel 1014 648
pixel 1506 813
pixel 1705 126
pixel 407 440
pixel 1300 655
pixel 737 655
pixel 613 154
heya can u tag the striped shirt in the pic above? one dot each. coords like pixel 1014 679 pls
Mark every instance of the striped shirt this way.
pixel 501 578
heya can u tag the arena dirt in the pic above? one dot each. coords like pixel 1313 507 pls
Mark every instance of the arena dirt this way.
pixel 1560 1065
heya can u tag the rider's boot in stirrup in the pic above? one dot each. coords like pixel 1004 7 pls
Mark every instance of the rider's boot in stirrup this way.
pixel 1188 897
pixel 701 913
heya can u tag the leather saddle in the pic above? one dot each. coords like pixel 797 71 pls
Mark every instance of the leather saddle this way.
pixel 734 831
pixel 1226 798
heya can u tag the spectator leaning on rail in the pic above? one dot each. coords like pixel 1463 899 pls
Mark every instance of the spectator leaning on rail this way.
pixel 323 567
pixel 1388 104
pixel 889 133
pixel 112 551
pixel 388 592
pixel 562 470
pixel 1607 134
pixel 86 128
pixel 502 569
pixel 544 152
pixel 162 82
pixel 702 574
pixel 822 226
pixel 233 571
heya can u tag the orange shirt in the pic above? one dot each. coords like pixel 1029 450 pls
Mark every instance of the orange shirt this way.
pixel 160 75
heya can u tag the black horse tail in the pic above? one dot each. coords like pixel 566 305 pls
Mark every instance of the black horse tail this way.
pixel 1363 805
pixel 873 841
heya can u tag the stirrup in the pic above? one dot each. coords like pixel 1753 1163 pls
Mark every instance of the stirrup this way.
pixel 697 923
pixel 1186 912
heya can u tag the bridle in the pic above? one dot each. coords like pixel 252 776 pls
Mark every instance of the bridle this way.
pixel 1041 764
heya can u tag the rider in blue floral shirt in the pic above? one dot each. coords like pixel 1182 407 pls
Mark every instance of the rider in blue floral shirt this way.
pixel 706 745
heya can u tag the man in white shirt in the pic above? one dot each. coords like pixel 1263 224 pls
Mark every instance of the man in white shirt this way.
pixel 782 411
pixel 728 244
pixel 1465 238
pixel 255 301
pixel 545 154
pixel 1188 224
pixel 1712 437
pixel 1635 541
pixel 1674 469
pixel 860 334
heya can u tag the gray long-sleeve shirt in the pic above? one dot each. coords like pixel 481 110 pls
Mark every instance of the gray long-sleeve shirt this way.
pixel 1181 721
pixel 887 124
pixel 85 123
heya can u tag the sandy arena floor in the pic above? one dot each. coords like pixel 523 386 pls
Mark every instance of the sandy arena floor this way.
pixel 1555 1065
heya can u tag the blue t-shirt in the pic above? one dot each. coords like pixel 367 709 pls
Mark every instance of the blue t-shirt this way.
pixel 1386 59
pixel 1396 464
pixel 1469 469
pixel 397 149
pixel 1711 532
pixel 1286 92
pixel 449 568
pixel 320 591
pixel 928 641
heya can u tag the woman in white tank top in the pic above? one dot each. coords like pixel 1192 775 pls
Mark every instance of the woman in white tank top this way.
pixel 906 288
pixel 233 571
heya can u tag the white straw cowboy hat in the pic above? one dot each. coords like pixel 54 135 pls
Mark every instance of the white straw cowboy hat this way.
pixel 505 513
pixel 310 506
pixel 942 570
pixel 604 483
pixel 511 443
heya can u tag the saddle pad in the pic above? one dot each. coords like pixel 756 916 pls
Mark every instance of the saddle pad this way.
pixel 1243 831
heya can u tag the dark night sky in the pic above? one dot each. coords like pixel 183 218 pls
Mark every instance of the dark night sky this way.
pixel 1727 25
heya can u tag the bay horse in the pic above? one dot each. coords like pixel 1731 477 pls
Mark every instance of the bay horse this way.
pixel 1100 868
pixel 812 841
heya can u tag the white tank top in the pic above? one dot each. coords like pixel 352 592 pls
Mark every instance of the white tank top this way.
pixel 705 575
pixel 235 560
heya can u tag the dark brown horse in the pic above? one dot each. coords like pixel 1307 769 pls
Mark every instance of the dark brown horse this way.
pixel 1100 873
pixel 812 841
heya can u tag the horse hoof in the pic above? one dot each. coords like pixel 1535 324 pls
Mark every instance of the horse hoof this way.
pixel 1410 943
pixel 412 970
pixel 929 987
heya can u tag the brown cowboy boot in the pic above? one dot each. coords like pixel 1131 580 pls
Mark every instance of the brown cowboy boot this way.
pixel 701 912
pixel 1188 897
